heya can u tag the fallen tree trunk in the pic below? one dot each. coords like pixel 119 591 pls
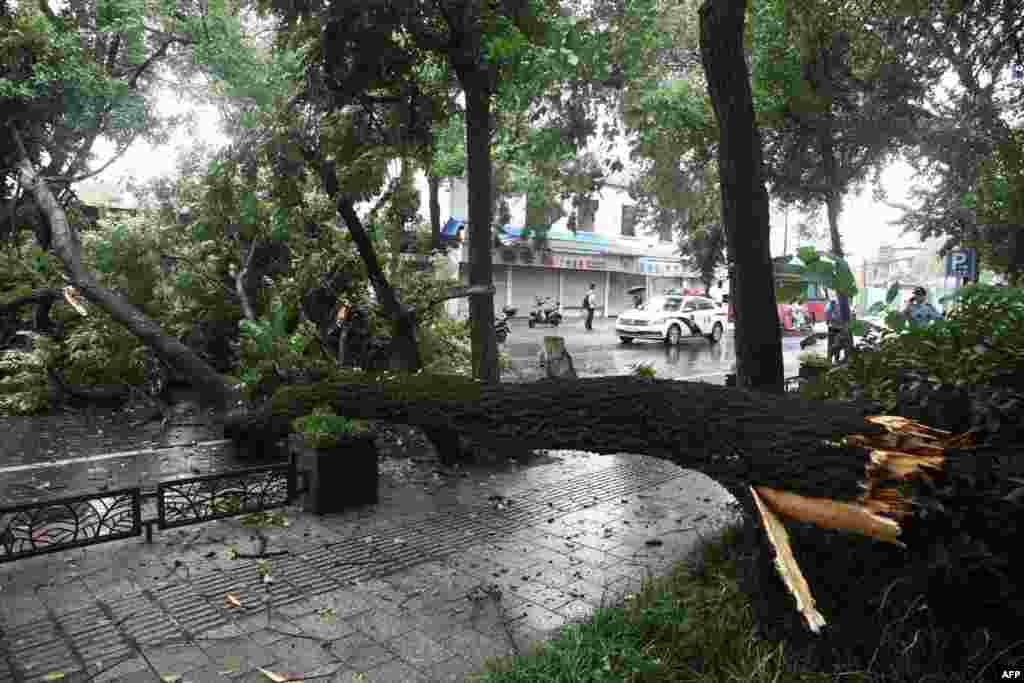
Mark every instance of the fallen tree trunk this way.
pixel 737 437
pixel 746 440
pixel 67 246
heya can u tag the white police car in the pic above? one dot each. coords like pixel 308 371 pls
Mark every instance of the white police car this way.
pixel 670 318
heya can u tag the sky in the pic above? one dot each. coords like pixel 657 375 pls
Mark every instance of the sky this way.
pixel 864 222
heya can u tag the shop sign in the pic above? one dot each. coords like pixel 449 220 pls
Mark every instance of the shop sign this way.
pixel 663 268
pixel 577 262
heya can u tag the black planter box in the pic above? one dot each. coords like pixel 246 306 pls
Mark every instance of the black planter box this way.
pixel 338 478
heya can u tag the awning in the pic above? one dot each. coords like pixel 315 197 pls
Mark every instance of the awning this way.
pixel 452 227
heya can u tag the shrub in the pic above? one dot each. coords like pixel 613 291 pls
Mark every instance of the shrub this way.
pixel 814 359
pixel 24 385
pixel 644 370
pixel 323 428
pixel 982 335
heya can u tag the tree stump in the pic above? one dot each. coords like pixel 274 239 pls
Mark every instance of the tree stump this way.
pixel 555 359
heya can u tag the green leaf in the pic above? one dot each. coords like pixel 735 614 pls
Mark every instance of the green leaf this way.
pixel 894 291
pixel 858 328
pixel 877 308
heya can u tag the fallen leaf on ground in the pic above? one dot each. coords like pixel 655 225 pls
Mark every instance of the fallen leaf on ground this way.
pixel 278 678
pixel 54 676
pixel 232 600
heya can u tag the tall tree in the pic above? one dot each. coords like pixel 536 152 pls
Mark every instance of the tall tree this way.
pixel 967 136
pixel 745 210
pixel 836 103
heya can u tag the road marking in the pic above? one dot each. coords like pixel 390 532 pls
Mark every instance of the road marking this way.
pixel 105 456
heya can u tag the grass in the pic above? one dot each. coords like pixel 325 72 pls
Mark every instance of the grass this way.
pixel 694 625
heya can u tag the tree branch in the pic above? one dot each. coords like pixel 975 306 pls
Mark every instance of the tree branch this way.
pixel 247 308
pixel 161 51
pixel 37 297
pixel 463 291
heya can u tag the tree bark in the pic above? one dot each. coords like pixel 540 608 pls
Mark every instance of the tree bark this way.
pixel 737 437
pixel 243 280
pixel 67 246
pixel 404 351
pixel 481 270
pixel 745 210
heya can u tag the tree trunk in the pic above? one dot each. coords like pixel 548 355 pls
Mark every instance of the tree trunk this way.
pixel 745 211
pixel 737 437
pixel 434 188
pixel 833 203
pixel 405 354
pixel 67 246
pixel 481 271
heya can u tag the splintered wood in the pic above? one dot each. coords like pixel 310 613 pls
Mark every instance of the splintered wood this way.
pixel 907 450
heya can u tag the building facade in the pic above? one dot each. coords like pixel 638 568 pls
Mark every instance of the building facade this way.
pixel 605 250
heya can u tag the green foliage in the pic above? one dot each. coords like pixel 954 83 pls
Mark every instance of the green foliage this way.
pixel 644 370
pixel 445 345
pixel 981 336
pixel 324 429
pixel 267 352
pixel 814 360
pixel 126 255
pixel 101 351
pixel 24 385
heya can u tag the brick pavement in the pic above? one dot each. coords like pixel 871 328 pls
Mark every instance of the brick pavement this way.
pixel 422 587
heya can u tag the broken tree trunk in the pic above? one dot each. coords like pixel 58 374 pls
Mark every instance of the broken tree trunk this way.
pixel 737 437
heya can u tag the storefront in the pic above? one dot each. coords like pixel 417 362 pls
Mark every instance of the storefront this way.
pixel 565 267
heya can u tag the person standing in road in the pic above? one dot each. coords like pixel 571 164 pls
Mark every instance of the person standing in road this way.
pixel 834 319
pixel 918 311
pixel 589 304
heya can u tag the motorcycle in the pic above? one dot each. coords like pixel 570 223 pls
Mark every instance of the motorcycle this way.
pixel 545 313
pixel 501 327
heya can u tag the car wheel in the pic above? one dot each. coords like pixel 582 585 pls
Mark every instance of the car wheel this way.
pixel 716 333
pixel 626 340
pixel 673 336
pixel 530 324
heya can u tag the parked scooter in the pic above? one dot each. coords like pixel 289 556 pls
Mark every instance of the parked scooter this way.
pixel 501 327
pixel 545 312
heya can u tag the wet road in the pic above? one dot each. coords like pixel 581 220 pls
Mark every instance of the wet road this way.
pixel 600 353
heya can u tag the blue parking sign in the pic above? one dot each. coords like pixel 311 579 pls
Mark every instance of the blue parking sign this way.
pixel 962 263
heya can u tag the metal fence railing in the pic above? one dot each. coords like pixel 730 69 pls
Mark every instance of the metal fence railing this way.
pixel 55 525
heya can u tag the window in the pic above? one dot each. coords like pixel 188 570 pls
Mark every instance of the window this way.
pixel 586 215
pixel 706 305
pixel 673 304
pixel 629 221
pixel 690 306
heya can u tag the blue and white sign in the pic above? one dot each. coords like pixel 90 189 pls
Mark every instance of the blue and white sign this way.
pixel 962 263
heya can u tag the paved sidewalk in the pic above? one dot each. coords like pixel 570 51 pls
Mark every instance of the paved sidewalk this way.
pixel 423 587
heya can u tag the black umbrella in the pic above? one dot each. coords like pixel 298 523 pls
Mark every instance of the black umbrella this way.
pixel 636 290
